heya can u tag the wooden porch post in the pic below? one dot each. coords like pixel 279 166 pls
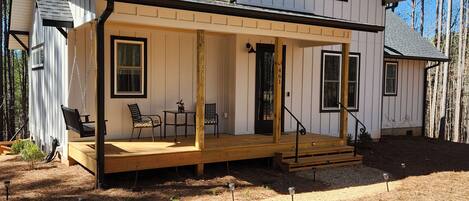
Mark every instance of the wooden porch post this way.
pixel 200 105
pixel 278 61
pixel 344 90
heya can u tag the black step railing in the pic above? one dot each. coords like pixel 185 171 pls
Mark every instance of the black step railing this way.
pixel 300 129
pixel 357 122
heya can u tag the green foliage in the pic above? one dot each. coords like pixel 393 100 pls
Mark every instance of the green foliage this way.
pixel 31 153
pixel 365 139
pixel 349 140
pixel 18 146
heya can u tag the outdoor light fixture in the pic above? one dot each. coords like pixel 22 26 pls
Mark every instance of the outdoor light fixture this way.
pixel 231 186
pixel 7 188
pixel 291 190
pixel 403 166
pixel 250 48
pixel 386 178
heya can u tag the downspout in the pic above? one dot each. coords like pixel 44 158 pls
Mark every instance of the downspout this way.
pixel 100 129
pixel 425 74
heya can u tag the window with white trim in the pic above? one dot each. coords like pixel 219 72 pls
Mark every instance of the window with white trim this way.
pixel 390 79
pixel 331 73
pixel 128 67
pixel 37 57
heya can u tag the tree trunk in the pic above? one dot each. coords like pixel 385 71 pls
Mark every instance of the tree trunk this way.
pixel 460 70
pixel 412 14
pixel 11 96
pixel 422 15
pixel 2 56
pixel 24 94
pixel 445 70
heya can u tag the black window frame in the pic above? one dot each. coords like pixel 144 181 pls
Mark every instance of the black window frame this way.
pixel 114 39
pixel 33 55
pixel 321 80
pixel 396 83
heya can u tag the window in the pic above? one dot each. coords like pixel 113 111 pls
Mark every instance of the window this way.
pixel 330 81
pixel 37 57
pixel 390 79
pixel 128 67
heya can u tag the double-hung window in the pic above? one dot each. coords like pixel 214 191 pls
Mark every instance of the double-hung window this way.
pixel 331 73
pixel 128 67
pixel 390 79
pixel 37 57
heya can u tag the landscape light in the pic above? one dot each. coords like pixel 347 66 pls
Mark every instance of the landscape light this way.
pixel 7 188
pixel 291 190
pixel 231 186
pixel 386 178
pixel 403 166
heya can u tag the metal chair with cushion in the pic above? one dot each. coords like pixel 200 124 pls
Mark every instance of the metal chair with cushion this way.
pixel 211 117
pixel 143 121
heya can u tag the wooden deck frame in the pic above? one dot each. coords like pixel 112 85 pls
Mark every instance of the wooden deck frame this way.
pixel 124 156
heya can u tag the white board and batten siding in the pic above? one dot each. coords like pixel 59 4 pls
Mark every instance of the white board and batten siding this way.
pixel 405 110
pixel 48 86
pixel 231 75
pixel 171 75
pixel 83 11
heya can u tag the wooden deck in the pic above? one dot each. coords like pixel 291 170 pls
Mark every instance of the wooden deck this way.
pixel 123 156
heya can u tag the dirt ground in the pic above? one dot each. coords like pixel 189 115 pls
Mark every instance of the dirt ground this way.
pixel 434 171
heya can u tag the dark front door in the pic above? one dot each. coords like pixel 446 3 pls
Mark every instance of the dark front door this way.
pixel 265 88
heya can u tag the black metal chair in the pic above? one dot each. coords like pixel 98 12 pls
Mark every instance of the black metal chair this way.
pixel 211 117
pixel 74 122
pixel 143 121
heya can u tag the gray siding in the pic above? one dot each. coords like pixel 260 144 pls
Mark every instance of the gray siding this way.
pixel 48 86
pixel 364 11
pixel 83 11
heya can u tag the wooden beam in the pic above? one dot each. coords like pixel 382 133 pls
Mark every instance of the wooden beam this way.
pixel 200 105
pixel 344 90
pixel 200 169
pixel 278 61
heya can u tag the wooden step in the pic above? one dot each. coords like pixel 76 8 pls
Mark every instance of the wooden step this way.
pixel 325 160
pixel 4 150
pixel 318 151
pixel 294 169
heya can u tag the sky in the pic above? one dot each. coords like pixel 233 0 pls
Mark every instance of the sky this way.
pixel 404 10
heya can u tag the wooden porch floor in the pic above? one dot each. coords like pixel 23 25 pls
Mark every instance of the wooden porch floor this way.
pixel 123 156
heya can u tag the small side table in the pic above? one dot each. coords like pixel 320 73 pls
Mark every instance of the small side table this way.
pixel 175 123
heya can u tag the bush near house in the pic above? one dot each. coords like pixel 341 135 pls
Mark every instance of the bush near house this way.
pixel 17 146
pixel 28 151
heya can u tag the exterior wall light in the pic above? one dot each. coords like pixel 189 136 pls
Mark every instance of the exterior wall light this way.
pixel 7 188
pixel 250 48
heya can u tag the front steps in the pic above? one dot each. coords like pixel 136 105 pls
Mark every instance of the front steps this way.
pixel 317 157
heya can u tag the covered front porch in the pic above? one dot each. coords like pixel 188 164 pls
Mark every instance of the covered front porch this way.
pixel 202 58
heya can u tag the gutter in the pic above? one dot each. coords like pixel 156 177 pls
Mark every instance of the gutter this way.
pixel 425 74
pixel 100 122
pixel 235 10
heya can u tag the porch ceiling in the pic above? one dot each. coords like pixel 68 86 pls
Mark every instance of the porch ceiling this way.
pixel 192 20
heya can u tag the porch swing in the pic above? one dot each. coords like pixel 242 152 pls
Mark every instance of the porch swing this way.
pixel 73 118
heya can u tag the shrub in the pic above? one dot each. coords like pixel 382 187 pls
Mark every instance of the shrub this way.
pixel 350 141
pixel 17 146
pixel 365 139
pixel 31 153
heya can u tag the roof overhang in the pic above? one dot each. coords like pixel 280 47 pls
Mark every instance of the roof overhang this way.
pixel 20 24
pixel 311 35
pixel 232 9
pixel 55 13
pixel 387 56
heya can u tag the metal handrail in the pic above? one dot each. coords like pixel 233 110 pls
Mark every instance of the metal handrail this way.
pixel 357 121
pixel 299 131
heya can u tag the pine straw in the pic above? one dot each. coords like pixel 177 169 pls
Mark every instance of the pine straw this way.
pixel 436 171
